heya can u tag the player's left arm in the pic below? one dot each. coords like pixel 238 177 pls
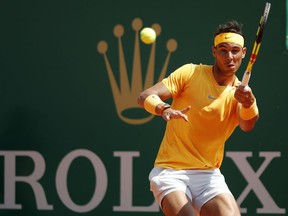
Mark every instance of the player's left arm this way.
pixel 247 109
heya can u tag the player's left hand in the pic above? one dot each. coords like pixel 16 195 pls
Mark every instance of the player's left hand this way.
pixel 244 96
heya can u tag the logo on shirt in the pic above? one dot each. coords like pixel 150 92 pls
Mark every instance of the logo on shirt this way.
pixel 212 97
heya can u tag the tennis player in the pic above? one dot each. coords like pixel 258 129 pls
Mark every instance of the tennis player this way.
pixel 208 104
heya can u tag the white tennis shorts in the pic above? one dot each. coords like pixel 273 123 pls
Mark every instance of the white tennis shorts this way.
pixel 199 185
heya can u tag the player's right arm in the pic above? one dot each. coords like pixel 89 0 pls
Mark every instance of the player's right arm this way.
pixel 158 89
pixel 152 99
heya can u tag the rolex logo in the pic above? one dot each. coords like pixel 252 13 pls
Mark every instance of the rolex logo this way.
pixel 125 91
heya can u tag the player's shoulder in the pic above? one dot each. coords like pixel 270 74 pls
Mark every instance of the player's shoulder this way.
pixel 193 66
pixel 204 67
pixel 200 68
pixel 188 67
pixel 184 70
pixel 189 70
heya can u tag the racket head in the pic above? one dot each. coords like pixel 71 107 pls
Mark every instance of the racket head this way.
pixel 257 44
pixel 263 22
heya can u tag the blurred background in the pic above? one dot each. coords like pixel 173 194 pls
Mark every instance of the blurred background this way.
pixel 73 140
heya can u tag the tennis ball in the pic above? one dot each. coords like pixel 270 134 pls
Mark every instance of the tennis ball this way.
pixel 148 35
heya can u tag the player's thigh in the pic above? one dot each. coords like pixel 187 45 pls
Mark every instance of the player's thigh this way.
pixel 177 203
pixel 221 205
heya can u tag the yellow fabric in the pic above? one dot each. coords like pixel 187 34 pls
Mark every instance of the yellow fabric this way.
pixel 199 143
pixel 151 103
pixel 229 37
pixel 248 113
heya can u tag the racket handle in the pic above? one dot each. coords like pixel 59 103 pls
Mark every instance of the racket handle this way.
pixel 245 79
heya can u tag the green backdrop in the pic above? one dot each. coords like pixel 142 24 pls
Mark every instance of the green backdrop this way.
pixel 73 140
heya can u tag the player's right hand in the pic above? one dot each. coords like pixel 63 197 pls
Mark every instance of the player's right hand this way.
pixel 169 114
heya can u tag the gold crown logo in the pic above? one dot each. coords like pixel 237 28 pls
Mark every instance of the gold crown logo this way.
pixel 125 95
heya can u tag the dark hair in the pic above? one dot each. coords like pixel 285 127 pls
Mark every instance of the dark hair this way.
pixel 230 26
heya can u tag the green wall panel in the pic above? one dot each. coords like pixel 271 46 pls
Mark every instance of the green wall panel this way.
pixel 72 139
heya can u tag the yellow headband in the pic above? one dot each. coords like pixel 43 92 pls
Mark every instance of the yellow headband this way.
pixel 229 37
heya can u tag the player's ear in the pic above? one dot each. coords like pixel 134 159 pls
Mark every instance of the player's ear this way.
pixel 244 50
pixel 214 51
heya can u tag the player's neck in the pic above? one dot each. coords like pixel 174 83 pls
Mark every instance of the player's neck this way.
pixel 223 79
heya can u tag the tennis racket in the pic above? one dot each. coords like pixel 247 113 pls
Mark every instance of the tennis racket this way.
pixel 257 45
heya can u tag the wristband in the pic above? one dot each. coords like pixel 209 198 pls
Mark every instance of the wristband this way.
pixel 248 113
pixel 151 103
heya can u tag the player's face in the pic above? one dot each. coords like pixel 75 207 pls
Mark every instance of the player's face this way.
pixel 228 56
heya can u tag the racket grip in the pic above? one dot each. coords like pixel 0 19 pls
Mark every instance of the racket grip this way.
pixel 245 79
